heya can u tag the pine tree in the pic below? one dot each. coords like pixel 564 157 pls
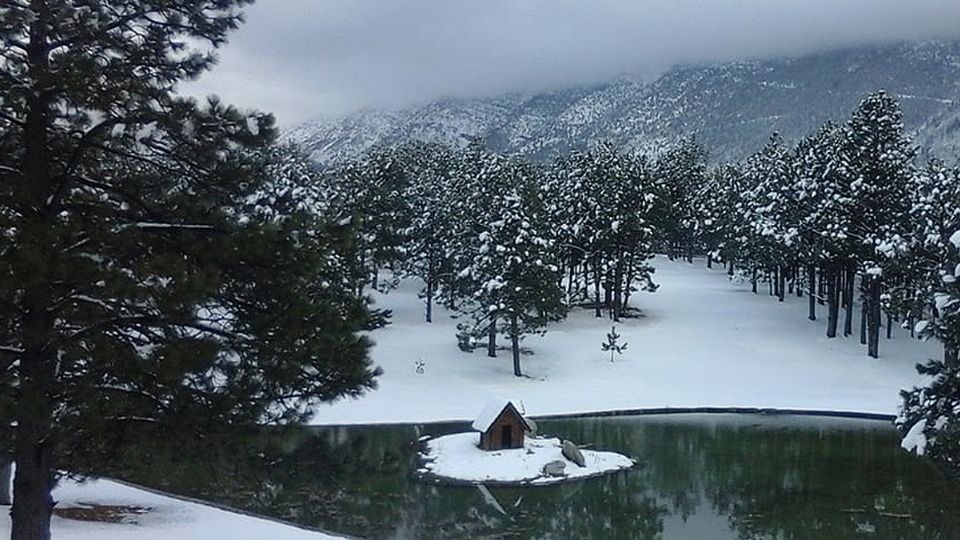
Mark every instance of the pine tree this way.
pixel 510 275
pixel 875 157
pixel 613 344
pixel 141 281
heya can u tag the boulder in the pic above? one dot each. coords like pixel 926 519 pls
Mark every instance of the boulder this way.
pixel 555 468
pixel 571 452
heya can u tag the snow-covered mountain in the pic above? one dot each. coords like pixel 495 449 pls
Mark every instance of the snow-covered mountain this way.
pixel 733 108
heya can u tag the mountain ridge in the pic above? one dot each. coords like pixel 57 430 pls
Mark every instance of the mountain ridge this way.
pixel 731 107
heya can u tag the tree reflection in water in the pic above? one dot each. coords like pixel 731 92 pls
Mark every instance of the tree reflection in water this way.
pixel 703 476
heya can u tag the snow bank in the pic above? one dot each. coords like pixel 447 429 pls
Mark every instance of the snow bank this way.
pixel 457 457
pixel 165 517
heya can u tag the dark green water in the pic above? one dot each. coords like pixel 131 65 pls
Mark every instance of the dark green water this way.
pixel 712 476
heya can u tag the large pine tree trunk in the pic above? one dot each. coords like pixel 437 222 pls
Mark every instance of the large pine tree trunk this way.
pixel 811 289
pixel 753 281
pixel 6 475
pixel 33 445
pixel 515 345
pixel 492 338
pixel 709 261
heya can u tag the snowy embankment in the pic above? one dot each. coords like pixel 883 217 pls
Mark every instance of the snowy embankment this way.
pixel 145 515
pixel 703 342
pixel 457 458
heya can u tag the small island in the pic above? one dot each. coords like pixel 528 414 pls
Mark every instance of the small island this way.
pixel 506 450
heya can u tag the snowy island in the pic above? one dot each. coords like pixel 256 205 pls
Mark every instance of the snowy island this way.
pixel 505 450
pixel 457 458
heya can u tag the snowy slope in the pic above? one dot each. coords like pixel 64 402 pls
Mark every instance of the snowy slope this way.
pixel 704 342
pixel 732 107
pixel 166 519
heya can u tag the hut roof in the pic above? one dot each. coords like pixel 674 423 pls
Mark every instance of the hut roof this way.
pixel 492 410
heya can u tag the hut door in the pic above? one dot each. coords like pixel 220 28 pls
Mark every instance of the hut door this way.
pixel 506 436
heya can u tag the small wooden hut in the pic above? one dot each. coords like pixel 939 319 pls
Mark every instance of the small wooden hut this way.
pixel 501 426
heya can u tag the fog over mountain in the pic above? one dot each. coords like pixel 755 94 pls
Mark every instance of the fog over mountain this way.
pixel 732 107
pixel 304 59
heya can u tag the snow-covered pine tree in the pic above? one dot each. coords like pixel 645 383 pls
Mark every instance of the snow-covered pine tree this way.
pixel 373 187
pixel 930 415
pixel 917 262
pixel 875 157
pixel 679 174
pixel 608 199
pixel 432 224
pixel 722 225
pixel 137 289
pixel 823 218
pixel 772 211
pixel 511 274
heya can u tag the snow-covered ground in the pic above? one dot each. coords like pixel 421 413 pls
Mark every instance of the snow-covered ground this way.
pixel 703 342
pixel 457 457
pixel 162 518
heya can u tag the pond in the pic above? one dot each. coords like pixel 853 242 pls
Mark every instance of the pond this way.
pixel 710 476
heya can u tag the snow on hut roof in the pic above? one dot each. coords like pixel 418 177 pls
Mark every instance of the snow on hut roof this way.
pixel 491 411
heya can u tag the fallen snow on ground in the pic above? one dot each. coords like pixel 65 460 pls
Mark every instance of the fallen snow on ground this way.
pixel 703 341
pixel 457 457
pixel 165 518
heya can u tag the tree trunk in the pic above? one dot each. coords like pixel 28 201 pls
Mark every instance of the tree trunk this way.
pixel 949 356
pixel 781 282
pixel 811 284
pixel 34 445
pixel 492 338
pixel 6 475
pixel 429 300
pixel 753 281
pixel 596 289
pixel 515 345
pixel 874 319
pixel 864 303
pixel 709 261
pixel 373 279
pixel 618 290
pixel 829 280
pixel 822 285
pixel 608 289
pixel 730 268
pixel 848 295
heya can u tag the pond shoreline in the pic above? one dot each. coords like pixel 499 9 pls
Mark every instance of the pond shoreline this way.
pixel 646 412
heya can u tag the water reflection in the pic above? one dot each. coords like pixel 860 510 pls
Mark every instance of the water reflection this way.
pixel 704 476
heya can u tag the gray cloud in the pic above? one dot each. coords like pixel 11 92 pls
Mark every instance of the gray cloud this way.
pixel 311 58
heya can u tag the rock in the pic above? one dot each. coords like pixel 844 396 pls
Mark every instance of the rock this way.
pixel 555 468
pixel 571 452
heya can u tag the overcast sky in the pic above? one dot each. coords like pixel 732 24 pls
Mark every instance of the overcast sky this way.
pixel 304 59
